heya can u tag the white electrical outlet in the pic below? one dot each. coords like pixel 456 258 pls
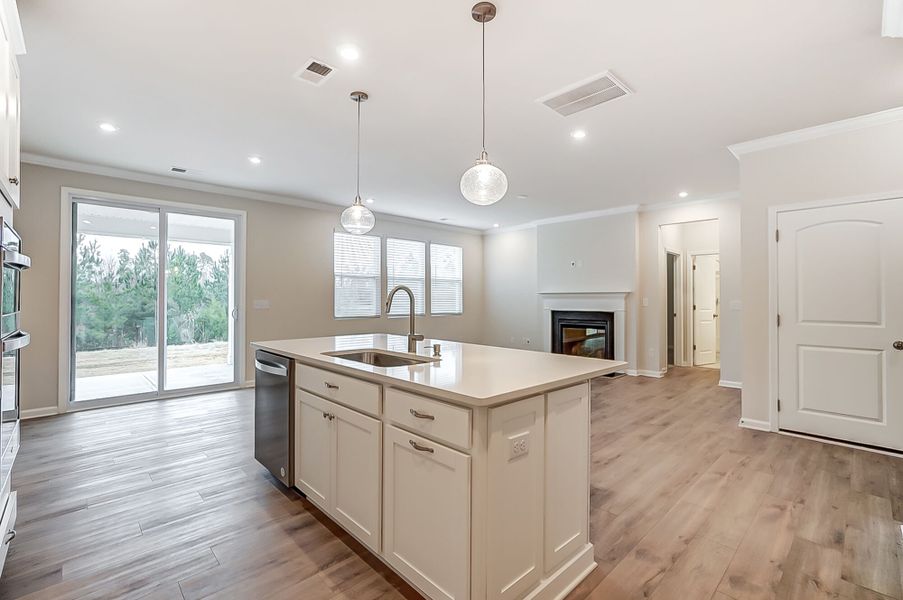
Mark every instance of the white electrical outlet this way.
pixel 519 445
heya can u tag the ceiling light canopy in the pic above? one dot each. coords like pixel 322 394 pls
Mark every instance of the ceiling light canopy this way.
pixel 357 218
pixel 484 183
pixel 108 127
pixel 254 160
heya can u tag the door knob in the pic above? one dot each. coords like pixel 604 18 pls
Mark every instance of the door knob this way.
pixel 898 345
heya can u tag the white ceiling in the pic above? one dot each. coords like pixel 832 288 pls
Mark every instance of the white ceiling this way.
pixel 203 84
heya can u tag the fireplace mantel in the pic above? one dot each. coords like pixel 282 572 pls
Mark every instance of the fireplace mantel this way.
pixel 614 302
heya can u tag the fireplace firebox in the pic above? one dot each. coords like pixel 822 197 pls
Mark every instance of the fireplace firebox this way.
pixel 583 333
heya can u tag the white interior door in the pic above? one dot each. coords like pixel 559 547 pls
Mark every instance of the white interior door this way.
pixel 705 307
pixel 840 289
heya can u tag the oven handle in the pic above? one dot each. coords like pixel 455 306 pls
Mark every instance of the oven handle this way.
pixel 16 341
pixel 15 260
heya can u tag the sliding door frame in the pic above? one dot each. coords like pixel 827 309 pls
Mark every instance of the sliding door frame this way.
pixel 68 198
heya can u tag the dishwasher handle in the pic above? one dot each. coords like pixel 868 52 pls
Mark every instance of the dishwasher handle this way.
pixel 271 368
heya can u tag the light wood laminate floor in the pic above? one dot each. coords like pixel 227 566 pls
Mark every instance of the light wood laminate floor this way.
pixel 164 500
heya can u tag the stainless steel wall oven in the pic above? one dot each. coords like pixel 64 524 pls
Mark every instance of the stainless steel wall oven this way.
pixel 12 338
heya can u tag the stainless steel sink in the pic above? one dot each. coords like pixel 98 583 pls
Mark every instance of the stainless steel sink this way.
pixel 378 358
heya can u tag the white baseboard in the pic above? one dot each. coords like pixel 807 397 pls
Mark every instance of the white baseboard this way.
pixel 34 413
pixel 737 385
pixel 656 374
pixel 248 384
pixel 754 424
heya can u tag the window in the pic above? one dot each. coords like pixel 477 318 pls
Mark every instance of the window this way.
pixel 446 280
pixel 406 265
pixel 356 266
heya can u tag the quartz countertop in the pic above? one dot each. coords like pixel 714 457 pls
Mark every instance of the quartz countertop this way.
pixel 468 374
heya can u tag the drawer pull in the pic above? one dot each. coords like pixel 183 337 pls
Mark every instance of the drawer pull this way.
pixel 420 448
pixel 14 180
pixel 329 416
pixel 330 386
pixel 11 535
pixel 421 415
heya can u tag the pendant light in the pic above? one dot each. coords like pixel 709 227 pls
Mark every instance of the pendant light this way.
pixel 357 218
pixel 484 183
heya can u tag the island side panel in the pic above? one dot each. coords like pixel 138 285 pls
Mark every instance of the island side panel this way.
pixel 516 462
pixel 566 475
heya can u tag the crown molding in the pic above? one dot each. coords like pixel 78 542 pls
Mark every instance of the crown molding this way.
pixel 726 197
pixel 222 190
pixel 819 131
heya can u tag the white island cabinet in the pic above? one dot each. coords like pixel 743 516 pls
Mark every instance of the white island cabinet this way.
pixel 468 474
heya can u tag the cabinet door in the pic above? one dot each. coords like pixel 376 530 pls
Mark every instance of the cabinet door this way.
pixel 6 61
pixel 13 120
pixel 427 514
pixel 312 448
pixel 356 474
pixel 567 474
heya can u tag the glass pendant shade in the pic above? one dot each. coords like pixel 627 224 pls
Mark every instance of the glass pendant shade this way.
pixel 484 183
pixel 357 218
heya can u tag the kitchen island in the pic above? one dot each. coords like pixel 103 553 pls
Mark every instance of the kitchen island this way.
pixel 467 472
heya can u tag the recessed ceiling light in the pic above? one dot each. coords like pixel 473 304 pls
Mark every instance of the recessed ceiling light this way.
pixel 369 200
pixel 108 127
pixel 578 134
pixel 86 221
pixel 684 194
pixel 349 52
pixel 254 160
pixel 496 225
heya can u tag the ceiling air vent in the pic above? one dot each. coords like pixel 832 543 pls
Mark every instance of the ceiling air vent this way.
pixel 586 94
pixel 315 72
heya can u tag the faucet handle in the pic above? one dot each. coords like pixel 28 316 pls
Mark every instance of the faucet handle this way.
pixel 417 337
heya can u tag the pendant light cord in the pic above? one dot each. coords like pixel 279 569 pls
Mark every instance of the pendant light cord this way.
pixel 484 85
pixel 358 195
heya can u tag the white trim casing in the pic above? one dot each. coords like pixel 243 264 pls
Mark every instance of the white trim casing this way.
pixel 36 413
pixel 736 385
pixel 818 131
pixel 67 197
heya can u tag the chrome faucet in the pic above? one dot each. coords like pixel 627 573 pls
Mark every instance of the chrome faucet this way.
pixel 413 338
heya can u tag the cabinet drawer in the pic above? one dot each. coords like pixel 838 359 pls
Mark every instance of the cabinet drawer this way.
pixel 359 395
pixel 438 420
pixel 7 528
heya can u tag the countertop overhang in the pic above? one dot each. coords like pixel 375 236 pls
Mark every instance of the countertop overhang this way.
pixel 469 374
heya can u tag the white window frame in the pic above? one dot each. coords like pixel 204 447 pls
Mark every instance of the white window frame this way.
pixel 68 197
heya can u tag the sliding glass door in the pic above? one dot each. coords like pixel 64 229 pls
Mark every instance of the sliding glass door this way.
pixel 153 301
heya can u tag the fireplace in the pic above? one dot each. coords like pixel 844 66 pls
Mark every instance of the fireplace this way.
pixel 583 333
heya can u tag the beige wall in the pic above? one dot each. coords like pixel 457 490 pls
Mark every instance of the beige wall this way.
pixel 289 262
pixel 840 165
pixel 512 307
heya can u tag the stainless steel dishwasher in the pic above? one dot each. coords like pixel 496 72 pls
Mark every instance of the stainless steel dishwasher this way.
pixel 274 445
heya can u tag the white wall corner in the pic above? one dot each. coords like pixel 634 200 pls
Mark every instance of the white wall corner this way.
pixel 737 385
pixel 754 424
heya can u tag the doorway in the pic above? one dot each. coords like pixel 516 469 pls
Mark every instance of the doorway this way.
pixel 691 288
pixel 153 310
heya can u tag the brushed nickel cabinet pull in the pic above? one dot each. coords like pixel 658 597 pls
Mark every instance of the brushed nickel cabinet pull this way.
pixel 10 536
pixel 14 180
pixel 330 386
pixel 420 448
pixel 421 415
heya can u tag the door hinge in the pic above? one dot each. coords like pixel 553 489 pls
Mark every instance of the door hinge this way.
pixel 694 267
pixel 779 405
pixel 694 307
pixel 777 235
pixel 779 320
pixel 694 346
